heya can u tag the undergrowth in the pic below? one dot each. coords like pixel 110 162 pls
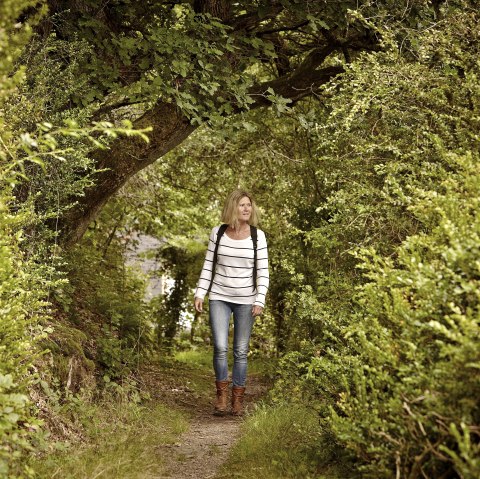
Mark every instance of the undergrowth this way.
pixel 122 440
pixel 285 442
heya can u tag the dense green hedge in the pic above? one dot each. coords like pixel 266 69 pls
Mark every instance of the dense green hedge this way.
pixel 39 165
pixel 386 340
pixel 410 398
pixel 22 288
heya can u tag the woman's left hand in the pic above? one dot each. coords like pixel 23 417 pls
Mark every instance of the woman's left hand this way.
pixel 257 310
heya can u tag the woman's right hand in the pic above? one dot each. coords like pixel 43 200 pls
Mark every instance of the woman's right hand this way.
pixel 198 305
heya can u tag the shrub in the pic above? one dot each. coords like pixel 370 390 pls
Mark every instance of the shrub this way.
pixel 391 362
pixel 19 331
pixel 411 404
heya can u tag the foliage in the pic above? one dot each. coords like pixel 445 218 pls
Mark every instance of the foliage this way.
pixel 412 385
pixel 53 138
pixel 283 441
pixel 26 276
pixel 105 297
pixel 206 56
pixel 164 53
pixel 19 331
pixel 143 53
pixel 380 355
pixel 21 305
pixel 123 441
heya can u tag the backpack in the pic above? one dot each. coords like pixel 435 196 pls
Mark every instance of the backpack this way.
pixel 220 233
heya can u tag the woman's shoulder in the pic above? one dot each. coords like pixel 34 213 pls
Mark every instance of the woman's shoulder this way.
pixel 214 231
pixel 260 234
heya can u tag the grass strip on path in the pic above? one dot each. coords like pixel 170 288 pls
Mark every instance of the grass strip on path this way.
pixel 285 442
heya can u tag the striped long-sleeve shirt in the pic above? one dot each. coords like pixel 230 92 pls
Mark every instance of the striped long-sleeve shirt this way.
pixel 233 279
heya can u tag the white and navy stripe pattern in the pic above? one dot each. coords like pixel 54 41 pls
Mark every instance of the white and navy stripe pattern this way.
pixel 233 279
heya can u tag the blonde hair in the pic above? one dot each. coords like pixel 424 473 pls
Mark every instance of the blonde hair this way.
pixel 230 209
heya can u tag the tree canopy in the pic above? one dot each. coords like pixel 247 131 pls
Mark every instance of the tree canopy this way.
pixel 172 66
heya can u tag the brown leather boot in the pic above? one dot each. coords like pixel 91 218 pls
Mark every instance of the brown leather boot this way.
pixel 237 400
pixel 222 398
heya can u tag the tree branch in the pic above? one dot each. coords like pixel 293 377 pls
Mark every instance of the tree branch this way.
pixel 221 9
pixel 283 29
pixel 125 158
pixel 128 155
pixel 249 21
pixel 304 80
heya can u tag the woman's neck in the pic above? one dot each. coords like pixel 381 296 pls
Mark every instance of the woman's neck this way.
pixel 241 225
pixel 240 231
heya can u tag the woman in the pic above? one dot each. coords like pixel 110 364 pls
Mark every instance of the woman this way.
pixel 237 286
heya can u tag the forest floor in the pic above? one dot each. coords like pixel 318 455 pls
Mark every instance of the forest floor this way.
pixel 171 433
pixel 203 448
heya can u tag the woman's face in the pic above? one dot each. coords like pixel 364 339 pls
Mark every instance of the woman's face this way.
pixel 244 209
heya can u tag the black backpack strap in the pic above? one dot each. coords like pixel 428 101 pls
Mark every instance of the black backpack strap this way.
pixel 253 234
pixel 220 233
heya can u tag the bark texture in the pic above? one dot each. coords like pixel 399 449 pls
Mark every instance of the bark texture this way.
pixel 125 158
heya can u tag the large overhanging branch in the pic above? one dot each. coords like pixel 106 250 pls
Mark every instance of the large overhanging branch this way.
pixel 127 156
pixel 250 21
pixel 295 90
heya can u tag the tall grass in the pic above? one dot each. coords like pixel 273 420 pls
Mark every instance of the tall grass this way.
pixel 284 442
pixel 124 440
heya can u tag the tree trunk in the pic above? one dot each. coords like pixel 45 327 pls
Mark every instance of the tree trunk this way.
pixel 126 158
pixel 217 8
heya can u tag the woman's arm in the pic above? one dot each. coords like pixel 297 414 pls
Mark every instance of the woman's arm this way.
pixel 206 274
pixel 263 277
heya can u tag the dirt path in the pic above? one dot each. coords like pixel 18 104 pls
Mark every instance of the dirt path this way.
pixel 204 447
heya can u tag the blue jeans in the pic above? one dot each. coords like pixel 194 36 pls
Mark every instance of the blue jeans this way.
pixel 220 312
